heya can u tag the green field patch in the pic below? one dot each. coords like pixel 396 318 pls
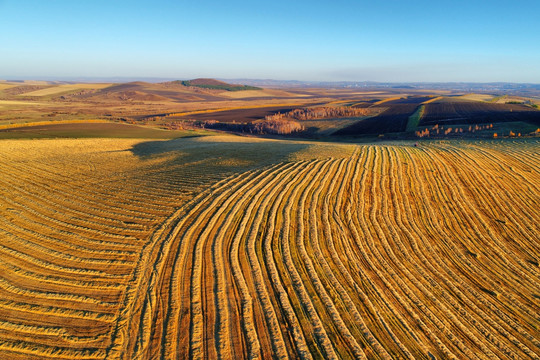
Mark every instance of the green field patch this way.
pixel 414 119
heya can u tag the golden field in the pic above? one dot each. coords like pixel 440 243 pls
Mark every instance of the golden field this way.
pixel 234 247
pixel 65 88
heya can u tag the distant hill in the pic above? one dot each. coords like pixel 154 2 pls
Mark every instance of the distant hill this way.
pixel 216 85
pixel 206 81
pixel 136 91
pixel 144 91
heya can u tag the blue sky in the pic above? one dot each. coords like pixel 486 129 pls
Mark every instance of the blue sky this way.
pixel 391 40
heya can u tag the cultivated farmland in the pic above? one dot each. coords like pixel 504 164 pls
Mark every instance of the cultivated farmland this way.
pixel 392 119
pixel 461 112
pixel 228 247
pixel 64 88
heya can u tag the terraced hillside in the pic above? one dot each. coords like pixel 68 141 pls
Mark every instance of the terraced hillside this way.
pixel 226 248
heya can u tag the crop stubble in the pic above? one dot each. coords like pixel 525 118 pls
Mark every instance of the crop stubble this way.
pixel 388 252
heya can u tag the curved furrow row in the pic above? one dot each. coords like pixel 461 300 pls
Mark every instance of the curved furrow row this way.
pixel 109 198
pixel 473 230
pixel 232 206
pixel 502 250
pixel 155 291
pixel 47 202
pixel 514 188
pixel 456 277
pixel 442 284
pixel 396 256
pixel 511 200
pixel 70 242
pixel 345 202
pixel 383 254
pixel 288 224
pixel 366 257
pixel 247 230
pixel 314 241
pixel 271 241
pixel 387 294
pixel 263 288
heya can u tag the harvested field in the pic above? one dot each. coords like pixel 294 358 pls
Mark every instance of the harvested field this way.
pixel 363 104
pixel 327 126
pixel 88 129
pixel 393 119
pixel 433 99
pixel 19 104
pixel 476 97
pixel 410 100
pixel 75 217
pixel 65 88
pixel 476 113
pixel 258 93
pixel 24 89
pixel 4 86
pixel 389 99
pixel 241 115
pixel 227 247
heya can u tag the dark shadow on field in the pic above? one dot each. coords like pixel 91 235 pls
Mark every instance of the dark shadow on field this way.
pixel 241 115
pixel 204 160
pixel 394 119
pixel 241 148
pixel 81 130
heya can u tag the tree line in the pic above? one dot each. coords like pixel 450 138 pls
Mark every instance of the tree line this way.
pixel 323 112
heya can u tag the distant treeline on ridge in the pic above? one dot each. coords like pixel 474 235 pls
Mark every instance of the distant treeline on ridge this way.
pixel 217 85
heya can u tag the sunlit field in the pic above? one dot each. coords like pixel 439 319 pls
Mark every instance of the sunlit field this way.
pixel 229 247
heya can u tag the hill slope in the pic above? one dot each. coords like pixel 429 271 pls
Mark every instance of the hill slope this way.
pixel 217 85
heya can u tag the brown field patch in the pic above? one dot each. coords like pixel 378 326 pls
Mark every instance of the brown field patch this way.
pixel 258 93
pixel 243 114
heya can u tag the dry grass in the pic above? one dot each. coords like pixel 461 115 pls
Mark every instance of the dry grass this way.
pixel 36 123
pixel 389 99
pixel 227 247
pixel 4 86
pixel 63 88
pixel 435 98
pixel 476 97
pixel 14 103
pixel 232 107
pixel 258 93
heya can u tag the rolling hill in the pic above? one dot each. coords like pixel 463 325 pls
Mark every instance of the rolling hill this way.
pixel 216 85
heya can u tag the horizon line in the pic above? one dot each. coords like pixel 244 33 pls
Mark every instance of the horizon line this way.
pixel 156 79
